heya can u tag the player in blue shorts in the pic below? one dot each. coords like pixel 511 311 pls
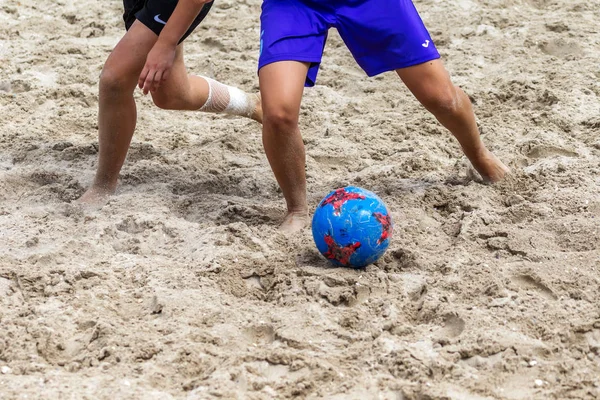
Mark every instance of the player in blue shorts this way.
pixel 382 35
pixel 150 55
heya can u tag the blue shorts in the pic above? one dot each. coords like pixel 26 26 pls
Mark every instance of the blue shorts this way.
pixel 382 35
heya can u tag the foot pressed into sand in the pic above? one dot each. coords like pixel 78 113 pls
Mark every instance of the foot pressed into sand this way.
pixel 96 195
pixel 490 168
pixel 294 221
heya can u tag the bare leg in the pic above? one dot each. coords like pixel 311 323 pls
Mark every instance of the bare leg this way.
pixel 281 86
pixel 431 85
pixel 117 110
pixel 188 92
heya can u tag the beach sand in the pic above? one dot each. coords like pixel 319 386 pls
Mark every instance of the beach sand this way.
pixel 181 285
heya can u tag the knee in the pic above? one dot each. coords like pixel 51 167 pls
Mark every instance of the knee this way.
pixel 115 81
pixel 281 118
pixel 442 102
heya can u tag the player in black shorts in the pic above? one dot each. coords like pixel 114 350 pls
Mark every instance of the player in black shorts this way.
pixel 151 56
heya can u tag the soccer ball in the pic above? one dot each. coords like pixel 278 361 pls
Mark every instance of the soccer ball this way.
pixel 352 227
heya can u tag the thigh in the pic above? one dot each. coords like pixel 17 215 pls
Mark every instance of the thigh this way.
pixel 384 35
pixel 281 89
pixel 128 57
pixel 177 84
pixel 292 30
pixel 429 82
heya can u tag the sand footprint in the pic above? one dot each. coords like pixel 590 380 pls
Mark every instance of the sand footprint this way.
pixel 529 282
pixel 453 327
pixel 262 334
pixel 561 48
pixel 537 150
pixel 10 294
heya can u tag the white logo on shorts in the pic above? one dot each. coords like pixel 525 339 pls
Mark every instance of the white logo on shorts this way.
pixel 157 19
pixel 426 44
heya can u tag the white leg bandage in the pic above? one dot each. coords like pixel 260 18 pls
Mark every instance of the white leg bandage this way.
pixel 228 99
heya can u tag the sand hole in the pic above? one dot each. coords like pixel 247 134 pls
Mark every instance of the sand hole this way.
pixel 253 282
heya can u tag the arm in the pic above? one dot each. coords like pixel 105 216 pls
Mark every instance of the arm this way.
pixel 161 57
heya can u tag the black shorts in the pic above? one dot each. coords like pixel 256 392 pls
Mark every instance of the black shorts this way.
pixel 155 14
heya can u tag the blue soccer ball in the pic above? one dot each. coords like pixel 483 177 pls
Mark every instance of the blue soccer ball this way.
pixel 352 227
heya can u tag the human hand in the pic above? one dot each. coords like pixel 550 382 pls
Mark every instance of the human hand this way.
pixel 157 68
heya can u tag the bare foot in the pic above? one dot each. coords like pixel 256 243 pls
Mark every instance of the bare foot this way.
pixel 490 168
pixel 294 222
pixel 257 115
pixel 95 195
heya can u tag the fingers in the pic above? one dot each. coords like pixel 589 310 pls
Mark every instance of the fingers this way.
pixel 157 80
pixel 143 76
pixel 149 81
pixel 156 70
pixel 165 75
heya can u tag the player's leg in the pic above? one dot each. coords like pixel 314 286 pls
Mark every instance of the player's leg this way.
pixel 292 38
pixel 281 87
pixel 117 109
pixel 431 85
pixel 398 40
pixel 188 92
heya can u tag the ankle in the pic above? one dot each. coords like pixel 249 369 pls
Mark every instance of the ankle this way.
pixel 297 212
pixel 479 152
pixel 104 186
pixel 299 207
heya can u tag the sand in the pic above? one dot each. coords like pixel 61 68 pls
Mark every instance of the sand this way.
pixel 182 287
